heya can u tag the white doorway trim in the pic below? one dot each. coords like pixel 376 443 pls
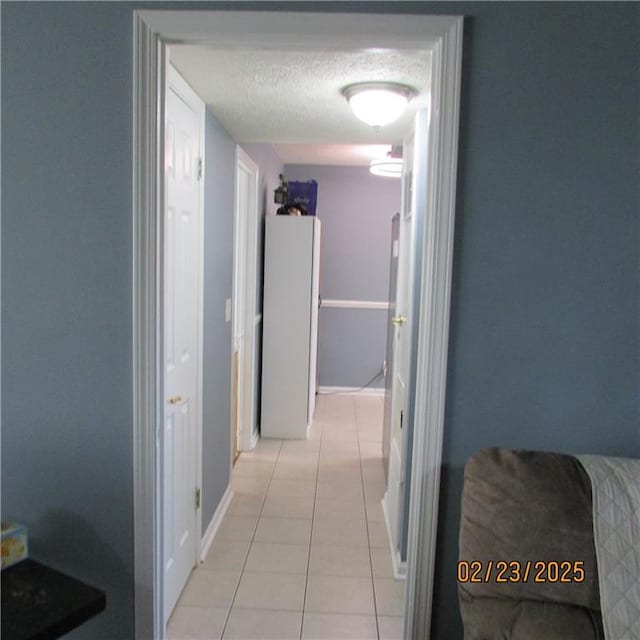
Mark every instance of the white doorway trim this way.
pixel 433 333
pixel 245 272
pixel 442 35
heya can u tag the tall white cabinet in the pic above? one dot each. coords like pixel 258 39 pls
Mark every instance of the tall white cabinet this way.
pixel 290 325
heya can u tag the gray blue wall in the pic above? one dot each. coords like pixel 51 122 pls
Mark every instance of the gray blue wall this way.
pixel 544 349
pixel 355 208
pixel 66 294
pixel 219 176
pixel 544 345
pixel 220 168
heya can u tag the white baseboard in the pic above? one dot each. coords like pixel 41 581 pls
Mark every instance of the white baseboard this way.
pixel 370 391
pixel 253 441
pixel 399 567
pixel 214 525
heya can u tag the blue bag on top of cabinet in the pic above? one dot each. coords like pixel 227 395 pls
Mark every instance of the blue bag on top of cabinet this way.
pixel 304 194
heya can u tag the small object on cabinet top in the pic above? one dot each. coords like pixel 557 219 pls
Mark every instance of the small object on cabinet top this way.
pixel 292 210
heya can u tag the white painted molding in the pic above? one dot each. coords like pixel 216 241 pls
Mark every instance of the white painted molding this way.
pixel 442 36
pixel 356 391
pixel 433 332
pixel 249 444
pixel 214 524
pixel 255 436
pixel 148 111
pixel 288 29
pixel 399 567
pixel 354 304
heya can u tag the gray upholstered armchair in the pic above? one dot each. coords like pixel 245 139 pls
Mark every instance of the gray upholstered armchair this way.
pixel 532 513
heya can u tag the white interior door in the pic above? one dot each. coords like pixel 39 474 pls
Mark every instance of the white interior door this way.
pixel 182 344
pixel 391 340
pixel 244 299
pixel 402 327
pixel 401 342
pixel 315 312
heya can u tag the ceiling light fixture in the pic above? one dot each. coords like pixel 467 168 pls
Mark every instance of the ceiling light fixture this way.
pixel 390 166
pixel 378 103
pixel 386 167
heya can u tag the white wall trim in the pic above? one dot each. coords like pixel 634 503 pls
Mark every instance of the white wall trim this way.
pixel 399 567
pixel 148 113
pixel 442 36
pixel 356 391
pixel 214 523
pixel 433 331
pixel 354 304
pixel 255 436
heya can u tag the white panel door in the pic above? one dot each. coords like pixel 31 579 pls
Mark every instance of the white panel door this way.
pixel 412 208
pixel 315 309
pixel 401 344
pixel 245 271
pixel 391 337
pixel 181 345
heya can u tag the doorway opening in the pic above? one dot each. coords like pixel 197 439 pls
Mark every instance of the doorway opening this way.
pixel 245 285
pixel 442 35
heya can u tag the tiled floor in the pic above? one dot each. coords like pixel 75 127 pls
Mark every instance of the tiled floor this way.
pixel 302 552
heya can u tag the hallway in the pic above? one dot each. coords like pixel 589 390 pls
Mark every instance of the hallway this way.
pixel 302 551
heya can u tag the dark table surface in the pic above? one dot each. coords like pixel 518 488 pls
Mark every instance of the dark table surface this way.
pixel 39 603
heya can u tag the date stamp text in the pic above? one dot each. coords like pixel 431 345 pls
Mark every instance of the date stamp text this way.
pixel 504 571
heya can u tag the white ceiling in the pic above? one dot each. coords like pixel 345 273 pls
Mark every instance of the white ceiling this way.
pixel 293 99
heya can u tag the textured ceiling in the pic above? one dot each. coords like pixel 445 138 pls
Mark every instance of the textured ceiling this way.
pixel 294 96
pixel 343 155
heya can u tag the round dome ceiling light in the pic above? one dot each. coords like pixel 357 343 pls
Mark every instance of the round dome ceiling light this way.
pixel 386 167
pixel 378 103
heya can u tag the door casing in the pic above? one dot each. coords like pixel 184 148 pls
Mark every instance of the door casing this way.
pixel 442 36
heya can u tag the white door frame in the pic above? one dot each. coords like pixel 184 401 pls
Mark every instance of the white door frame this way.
pixel 442 35
pixel 245 284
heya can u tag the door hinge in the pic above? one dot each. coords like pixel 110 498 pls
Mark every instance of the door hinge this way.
pixel 200 168
pixel 197 498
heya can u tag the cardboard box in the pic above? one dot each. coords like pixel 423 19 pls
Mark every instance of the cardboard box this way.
pixel 14 543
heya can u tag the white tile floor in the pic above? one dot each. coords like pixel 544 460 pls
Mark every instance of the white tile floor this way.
pixel 302 552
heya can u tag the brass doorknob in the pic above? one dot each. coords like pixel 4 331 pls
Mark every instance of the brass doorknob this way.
pixel 398 321
pixel 175 399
